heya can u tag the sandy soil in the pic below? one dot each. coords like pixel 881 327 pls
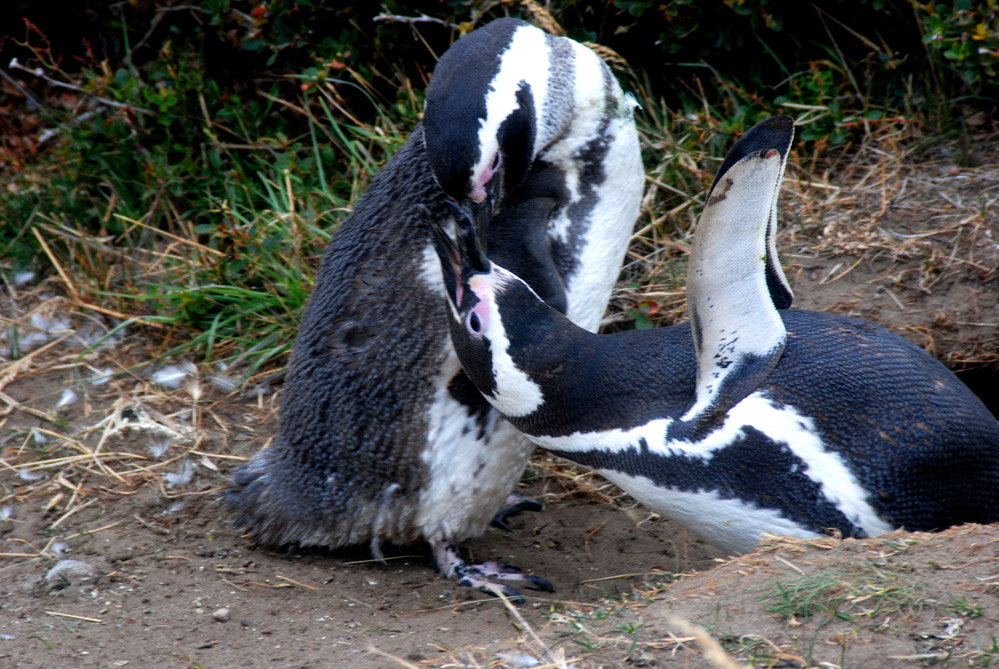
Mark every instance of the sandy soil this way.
pixel 164 561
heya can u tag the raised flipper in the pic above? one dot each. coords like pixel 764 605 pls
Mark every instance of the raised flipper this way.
pixel 734 282
pixel 773 133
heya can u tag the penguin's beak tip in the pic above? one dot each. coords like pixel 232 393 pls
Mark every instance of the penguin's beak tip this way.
pixel 471 224
pixel 447 252
pixel 478 214
pixel 478 195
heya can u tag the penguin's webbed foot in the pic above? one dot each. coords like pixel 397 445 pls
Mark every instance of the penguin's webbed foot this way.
pixel 487 577
pixel 504 571
pixel 514 505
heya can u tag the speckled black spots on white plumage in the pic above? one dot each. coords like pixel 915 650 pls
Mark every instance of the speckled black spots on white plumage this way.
pixel 734 282
pixel 382 437
pixel 850 427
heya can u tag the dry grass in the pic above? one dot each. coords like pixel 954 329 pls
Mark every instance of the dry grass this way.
pixel 900 221
pixel 893 215
pixel 835 598
pixel 582 636
pixel 110 431
pixel 886 215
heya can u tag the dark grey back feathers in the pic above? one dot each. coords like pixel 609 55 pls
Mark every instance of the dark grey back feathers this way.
pixel 346 436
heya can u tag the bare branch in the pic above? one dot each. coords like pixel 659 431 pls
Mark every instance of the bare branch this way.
pixel 422 18
pixel 38 72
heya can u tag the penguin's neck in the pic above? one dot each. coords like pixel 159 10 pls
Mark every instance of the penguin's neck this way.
pixel 548 376
pixel 528 346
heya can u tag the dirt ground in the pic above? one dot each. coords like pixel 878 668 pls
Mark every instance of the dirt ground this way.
pixel 125 481
pixel 907 240
pixel 164 559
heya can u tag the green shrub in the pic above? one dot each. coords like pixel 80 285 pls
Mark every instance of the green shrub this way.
pixel 963 39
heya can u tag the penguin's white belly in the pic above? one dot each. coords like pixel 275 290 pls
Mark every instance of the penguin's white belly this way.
pixel 469 477
pixel 729 524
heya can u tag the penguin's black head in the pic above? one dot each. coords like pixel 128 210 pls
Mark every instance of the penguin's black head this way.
pixel 479 121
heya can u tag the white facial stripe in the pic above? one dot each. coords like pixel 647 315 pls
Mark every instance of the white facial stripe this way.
pixel 516 394
pixel 526 59
pixel 782 424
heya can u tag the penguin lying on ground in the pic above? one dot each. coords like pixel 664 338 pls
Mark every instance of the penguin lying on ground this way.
pixel 751 419
pixel 381 436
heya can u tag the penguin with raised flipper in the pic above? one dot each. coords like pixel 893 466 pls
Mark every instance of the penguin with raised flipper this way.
pixel 381 437
pixel 750 419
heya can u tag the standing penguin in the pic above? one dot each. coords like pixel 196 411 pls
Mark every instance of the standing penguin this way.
pixel 751 419
pixel 381 436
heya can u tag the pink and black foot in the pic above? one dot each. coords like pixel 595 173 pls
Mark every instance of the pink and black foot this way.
pixel 486 577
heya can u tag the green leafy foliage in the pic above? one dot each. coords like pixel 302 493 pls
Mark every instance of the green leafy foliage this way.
pixel 963 38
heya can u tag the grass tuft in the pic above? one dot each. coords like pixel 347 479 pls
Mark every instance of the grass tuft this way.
pixel 867 590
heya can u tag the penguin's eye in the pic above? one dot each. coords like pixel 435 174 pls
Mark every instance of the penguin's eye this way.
pixel 474 323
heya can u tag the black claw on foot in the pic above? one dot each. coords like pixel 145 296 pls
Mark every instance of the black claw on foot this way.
pixel 514 505
pixel 538 583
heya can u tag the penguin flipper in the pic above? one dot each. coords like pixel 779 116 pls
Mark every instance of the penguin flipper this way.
pixel 734 282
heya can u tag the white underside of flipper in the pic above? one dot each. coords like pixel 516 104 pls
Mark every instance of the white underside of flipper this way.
pixel 738 333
